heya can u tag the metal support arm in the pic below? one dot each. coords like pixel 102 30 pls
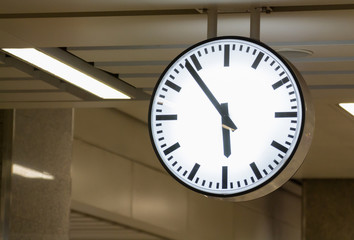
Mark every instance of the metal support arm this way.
pixel 212 23
pixel 255 23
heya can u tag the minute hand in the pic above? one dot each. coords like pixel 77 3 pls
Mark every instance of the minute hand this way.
pixel 227 122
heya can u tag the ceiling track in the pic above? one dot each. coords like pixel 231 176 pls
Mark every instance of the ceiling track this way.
pixel 164 12
pixel 7 60
pixel 44 76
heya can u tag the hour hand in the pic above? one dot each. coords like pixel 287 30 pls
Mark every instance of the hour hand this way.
pixel 226 120
pixel 226 132
pixel 227 123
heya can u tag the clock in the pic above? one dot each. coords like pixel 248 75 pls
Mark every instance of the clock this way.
pixel 230 118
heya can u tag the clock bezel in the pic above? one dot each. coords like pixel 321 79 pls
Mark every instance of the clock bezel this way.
pixel 300 148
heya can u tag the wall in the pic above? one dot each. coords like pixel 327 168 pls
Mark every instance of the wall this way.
pixel 328 207
pixel 36 179
pixel 115 169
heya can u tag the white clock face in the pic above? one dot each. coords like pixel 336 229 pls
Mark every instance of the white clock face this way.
pixel 226 116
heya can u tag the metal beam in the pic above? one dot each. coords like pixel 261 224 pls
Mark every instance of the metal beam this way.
pixel 78 64
pixel 255 23
pixel 131 63
pixel 212 30
pixel 184 46
pixel 101 14
pixel 64 104
pixel 167 12
pixel 90 70
pixel 38 74
pixel 129 47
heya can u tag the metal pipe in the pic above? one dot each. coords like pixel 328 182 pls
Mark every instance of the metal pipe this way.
pixel 255 23
pixel 212 23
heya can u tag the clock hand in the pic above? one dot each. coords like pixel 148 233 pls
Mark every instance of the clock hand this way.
pixel 226 133
pixel 227 122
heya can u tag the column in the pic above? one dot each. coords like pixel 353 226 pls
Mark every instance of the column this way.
pixel 328 209
pixel 40 186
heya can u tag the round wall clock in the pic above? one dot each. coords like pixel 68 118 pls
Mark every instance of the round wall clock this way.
pixel 230 118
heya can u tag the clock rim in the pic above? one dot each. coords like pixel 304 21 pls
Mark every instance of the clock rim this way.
pixel 258 190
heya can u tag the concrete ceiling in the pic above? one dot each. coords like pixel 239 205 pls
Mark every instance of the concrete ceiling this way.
pixel 137 39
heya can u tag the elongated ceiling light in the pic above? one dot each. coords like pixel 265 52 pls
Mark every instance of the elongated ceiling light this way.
pixel 349 107
pixel 66 72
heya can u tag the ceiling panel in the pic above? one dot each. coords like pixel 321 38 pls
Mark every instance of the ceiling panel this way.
pixel 107 31
pixel 13 84
pixel 16 6
pixel 128 53
pixel 139 47
pixel 142 82
pixel 10 72
pixel 36 96
pixel 329 79
pixel 327 66
pixel 323 49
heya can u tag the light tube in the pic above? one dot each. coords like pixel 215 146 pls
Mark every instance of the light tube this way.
pixel 66 72
pixel 349 107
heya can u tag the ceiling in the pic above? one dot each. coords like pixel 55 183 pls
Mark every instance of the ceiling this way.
pixel 135 40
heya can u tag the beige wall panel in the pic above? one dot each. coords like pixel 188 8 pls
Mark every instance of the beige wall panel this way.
pixel 158 199
pixel 286 208
pixel 283 231
pixel 260 205
pixel 276 216
pixel 251 224
pixel 116 132
pixel 280 205
pixel 209 219
pixel 101 179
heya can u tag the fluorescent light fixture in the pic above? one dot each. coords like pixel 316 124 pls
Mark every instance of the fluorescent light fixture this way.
pixel 349 107
pixel 66 72
pixel 30 173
